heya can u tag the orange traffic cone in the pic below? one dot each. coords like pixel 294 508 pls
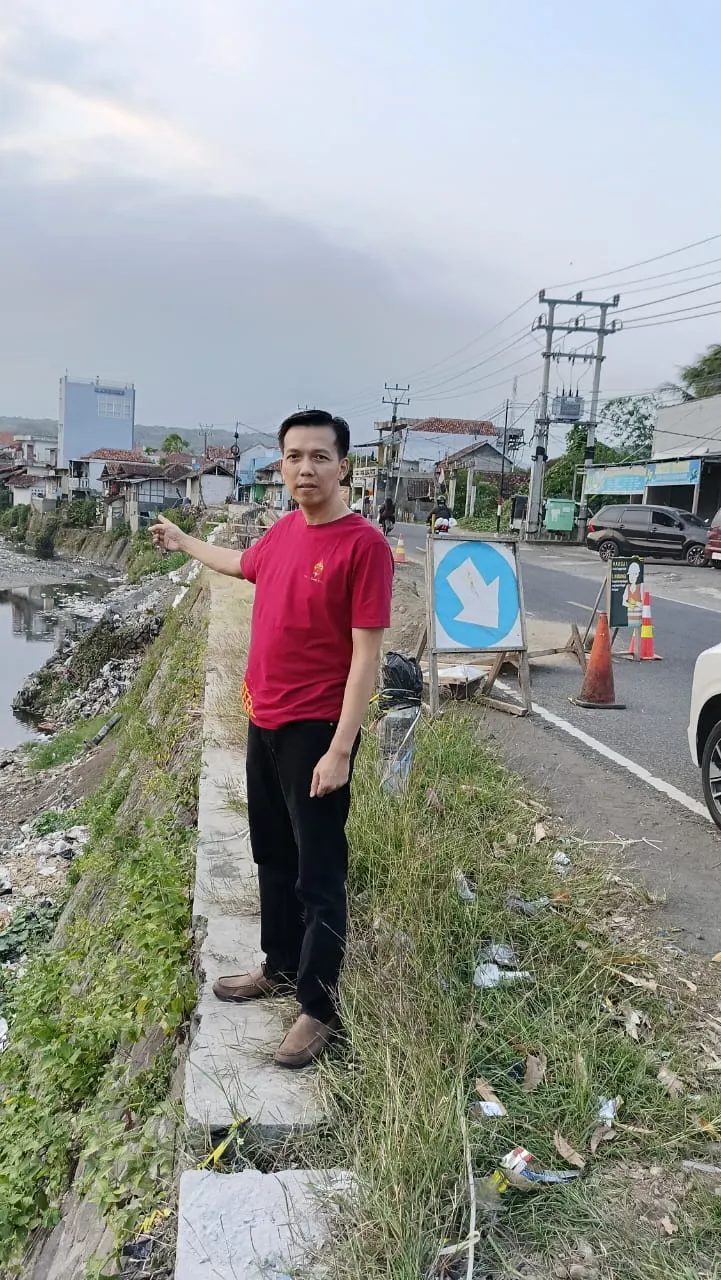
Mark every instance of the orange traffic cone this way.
pixel 399 555
pixel 646 647
pixel 648 653
pixel 598 690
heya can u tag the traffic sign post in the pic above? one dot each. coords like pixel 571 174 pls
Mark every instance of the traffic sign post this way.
pixel 475 606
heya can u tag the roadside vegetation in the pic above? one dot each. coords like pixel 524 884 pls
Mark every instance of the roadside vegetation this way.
pixel 143 559
pixel 594 1020
pixel 64 746
pixel 96 1018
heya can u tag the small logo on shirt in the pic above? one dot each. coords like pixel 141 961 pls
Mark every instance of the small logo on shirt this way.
pixel 317 574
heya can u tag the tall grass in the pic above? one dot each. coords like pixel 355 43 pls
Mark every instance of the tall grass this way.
pixel 419 1032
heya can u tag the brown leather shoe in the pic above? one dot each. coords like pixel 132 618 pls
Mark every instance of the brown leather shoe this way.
pixel 307 1040
pixel 239 987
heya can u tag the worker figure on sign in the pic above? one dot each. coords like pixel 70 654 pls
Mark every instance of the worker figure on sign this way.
pixel 323 577
pixel 633 595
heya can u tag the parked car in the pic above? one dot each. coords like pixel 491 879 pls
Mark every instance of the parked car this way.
pixel 712 554
pixel 704 728
pixel 641 530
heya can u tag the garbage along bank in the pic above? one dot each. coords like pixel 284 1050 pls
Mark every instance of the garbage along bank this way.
pixel 96 1016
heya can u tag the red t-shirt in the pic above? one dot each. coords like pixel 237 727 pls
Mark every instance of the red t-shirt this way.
pixel 314 583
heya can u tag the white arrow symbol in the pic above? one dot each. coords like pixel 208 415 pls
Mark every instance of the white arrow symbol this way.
pixel 479 599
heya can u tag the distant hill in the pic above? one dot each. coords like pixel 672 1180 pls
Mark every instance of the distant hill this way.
pixel 153 436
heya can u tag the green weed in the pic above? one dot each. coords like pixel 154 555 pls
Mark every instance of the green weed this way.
pixel 421 1033
pixel 64 746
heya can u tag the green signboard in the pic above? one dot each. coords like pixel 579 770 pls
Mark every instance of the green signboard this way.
pixel 625 591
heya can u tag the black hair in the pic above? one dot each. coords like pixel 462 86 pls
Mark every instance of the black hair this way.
pixel 318 418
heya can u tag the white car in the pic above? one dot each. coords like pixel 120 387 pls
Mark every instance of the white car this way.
pixel 704 728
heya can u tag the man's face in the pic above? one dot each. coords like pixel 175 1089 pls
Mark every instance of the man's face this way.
pixel 311 468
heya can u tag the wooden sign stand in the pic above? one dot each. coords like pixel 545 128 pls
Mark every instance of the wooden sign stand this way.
pixel 519 656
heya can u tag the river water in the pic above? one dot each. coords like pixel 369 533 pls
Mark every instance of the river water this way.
pixel 37 599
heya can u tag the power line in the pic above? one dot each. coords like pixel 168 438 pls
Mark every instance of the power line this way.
pixel 663 276
pixel 473 341
pixel 685 293
pixel 643 322
pixel 644 262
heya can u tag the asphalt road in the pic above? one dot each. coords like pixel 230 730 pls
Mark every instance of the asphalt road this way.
pixel 558 583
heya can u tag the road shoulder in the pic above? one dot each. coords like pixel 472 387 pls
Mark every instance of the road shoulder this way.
pixel 599 801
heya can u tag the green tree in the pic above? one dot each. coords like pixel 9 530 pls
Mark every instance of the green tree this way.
pixel 559 476
pixel 703 378
pixel 174 443
pixel 629 421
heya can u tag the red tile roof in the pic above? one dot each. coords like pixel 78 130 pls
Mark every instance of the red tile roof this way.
pixel 455 426
pixel 115 455
pixel 219 452
pixel 7 440
pixel 22 482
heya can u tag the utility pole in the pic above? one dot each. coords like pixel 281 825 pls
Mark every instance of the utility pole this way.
pixel 579 326
pixel 393 396
pixel 206 429
pixel 499 509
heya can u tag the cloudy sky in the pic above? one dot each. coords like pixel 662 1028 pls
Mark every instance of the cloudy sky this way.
pixel 243 205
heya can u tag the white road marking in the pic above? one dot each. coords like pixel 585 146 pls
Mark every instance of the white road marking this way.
pixel 577 605
pixel 638 771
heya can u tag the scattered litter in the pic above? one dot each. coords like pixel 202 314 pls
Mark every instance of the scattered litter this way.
pixel 668 1227
pixel 496 961
pixel 608 1109
pixel 645 984
pixel 717 958
pixel 561 863
pixel 466 892
pixel 513 1171
pixel 672 1083
pixel 491 1105
pixel 490 975
pixel 498 953
pixel 6 884
pixel 697 1166
pixel 4 1034
pixel 550 1176
pixel 433 799
pixel 567 1153
pixel 539 833
pixel 138 1250
pixel 535 1071
pixel 527 907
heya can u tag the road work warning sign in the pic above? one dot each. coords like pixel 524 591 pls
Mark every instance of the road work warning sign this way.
pixel 625 591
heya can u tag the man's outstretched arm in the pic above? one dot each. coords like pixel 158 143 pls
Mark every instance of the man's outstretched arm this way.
pixel 167 536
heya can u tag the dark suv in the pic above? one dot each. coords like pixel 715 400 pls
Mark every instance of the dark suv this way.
pixel 647 531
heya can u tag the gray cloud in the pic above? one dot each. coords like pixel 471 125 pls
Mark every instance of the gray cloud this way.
pixel 216 308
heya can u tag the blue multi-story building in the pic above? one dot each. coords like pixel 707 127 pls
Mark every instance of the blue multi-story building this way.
pixel 94 415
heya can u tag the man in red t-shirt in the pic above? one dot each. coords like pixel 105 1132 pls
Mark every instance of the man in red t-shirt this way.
pixel 324 579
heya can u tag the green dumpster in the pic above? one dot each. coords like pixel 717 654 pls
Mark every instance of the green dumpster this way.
pixel 560 515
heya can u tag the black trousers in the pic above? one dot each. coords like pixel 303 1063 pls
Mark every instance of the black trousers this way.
pixel 300 847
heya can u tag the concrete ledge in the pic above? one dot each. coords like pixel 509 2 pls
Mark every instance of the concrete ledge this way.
pixel 230 1072
pixel 254 1226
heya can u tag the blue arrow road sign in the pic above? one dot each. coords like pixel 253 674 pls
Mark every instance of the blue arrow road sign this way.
pixel 477 600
